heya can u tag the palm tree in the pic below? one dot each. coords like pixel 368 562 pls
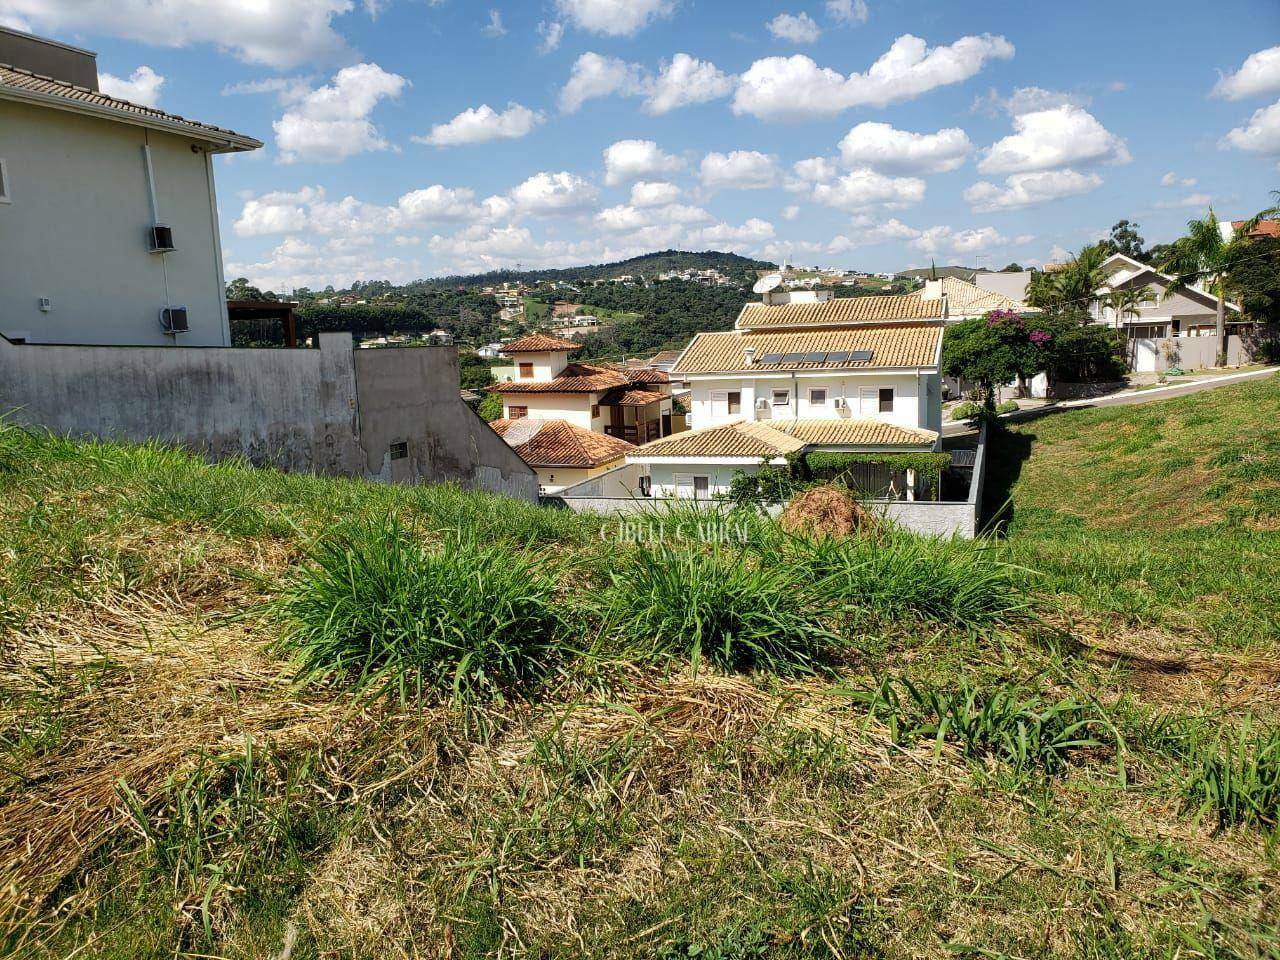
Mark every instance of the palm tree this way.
pixel 1204 256
pixel 1126 304
pixel 1075 282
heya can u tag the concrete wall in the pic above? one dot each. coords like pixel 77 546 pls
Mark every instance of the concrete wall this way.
pixel 927 518
pixel 331 411
pixel 76 233
pixel 1189 353
pixel 410 395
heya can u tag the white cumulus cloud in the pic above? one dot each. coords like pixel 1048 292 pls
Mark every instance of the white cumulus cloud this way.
pixel 482 124
pixel 788 88
pixel 635 159
pixel 281 33
pixel 680 82
pixel 863 189
pixel 738 170
pixel 332 122
pixel 1047 139
pixel 651 193
pixel 553 193
pixel 614 18
pixel 683 81
pixel 1029 189
pixel 1261 134
pixel 594 75
pixel 1258 76
pixel 796 28
pixel 847 11
pixel 883 147
pixel 142 86
pixel 551 32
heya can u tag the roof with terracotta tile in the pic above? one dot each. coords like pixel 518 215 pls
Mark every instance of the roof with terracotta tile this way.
pixel 777 438
pixel 19 84
pixel 836 312
pixel 890 345
pixel 539 343
pixel 631 397
pixel 646 375
pixel 741 438
pixel 967 299
pixel 558 443
pixel 574 378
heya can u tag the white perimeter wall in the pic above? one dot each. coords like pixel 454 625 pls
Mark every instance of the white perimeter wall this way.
pixel 76 232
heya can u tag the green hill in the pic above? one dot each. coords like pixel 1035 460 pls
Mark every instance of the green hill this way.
pixel 646 265
pixel 246 714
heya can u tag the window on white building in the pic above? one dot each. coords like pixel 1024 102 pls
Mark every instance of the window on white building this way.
pixel 886 399
pixel 691 487
pixel 5 194
pixel 781 398
pixel 734 402
pixel 818 397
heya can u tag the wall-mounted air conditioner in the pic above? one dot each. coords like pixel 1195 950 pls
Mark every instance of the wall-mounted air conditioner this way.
pixel 841 403
pixel 174 320
pixel 161 238
pixel 762 403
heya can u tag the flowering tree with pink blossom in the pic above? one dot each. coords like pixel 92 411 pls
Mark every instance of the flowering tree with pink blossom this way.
pixel 996 349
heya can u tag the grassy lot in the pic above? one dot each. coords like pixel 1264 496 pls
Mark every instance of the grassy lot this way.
pixel 245 714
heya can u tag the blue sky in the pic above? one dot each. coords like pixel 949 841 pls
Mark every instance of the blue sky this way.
pixel 409 138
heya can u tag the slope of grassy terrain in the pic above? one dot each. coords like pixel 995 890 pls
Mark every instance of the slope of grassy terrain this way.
pixel 244 714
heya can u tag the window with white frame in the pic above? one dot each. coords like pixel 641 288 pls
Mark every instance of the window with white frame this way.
pixel 818 396
pixel 726 403
pixel 886 399
pixel 690 487
pixel 6 195
pixel 781 398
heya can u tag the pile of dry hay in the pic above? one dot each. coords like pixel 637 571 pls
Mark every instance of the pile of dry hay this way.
pixel 826 511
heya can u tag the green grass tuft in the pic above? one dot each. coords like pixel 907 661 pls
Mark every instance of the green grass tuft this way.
pixel 1235 776
pixel 717 603
pixel 377 608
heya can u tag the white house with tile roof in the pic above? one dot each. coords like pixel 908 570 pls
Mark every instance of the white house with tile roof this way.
pixel 1191 312
pixel 84 180
pixel 803 372
pixel 966 300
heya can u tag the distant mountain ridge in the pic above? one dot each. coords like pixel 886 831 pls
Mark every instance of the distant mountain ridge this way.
pixel 646 265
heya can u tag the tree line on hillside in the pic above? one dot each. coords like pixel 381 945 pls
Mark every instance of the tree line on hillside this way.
pixel 671 312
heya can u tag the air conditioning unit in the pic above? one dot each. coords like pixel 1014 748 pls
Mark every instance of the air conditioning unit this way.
pixel 841 403
pixel 174 320
pixel 161 237
pixel 762 403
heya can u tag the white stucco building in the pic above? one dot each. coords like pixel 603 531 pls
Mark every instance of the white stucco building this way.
pixel 803 372
pixel 84 180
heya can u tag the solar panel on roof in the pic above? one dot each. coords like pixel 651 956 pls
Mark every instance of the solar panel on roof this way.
pixel 860 356
pixel 793 358
pixel 771 358
pixel 838 356
pixel 815 357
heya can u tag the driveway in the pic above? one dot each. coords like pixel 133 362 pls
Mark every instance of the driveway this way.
pixel 1123 398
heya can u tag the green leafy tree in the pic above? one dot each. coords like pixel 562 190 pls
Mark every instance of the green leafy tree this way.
pixel 1126 239
pixel 994 350
pixel 474 372
pixel 241 289
pixel 490 408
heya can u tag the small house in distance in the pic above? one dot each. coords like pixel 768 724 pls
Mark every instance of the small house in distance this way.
pixel 115 204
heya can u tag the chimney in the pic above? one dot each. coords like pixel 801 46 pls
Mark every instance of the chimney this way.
pixel 749 355
pixel 932 290
pixel 946 307
pixel 49 58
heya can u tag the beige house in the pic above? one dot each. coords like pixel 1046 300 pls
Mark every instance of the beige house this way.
pixel 803 372
pixel 1191 312
pixel 114 204
pixel 966 300
pixel 561 453
pixel 629 404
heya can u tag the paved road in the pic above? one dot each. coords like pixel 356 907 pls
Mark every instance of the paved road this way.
pixel 1124 398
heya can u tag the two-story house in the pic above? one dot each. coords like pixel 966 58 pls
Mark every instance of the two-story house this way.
pixel 595 402
pixel 109 207
pixel 803 372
